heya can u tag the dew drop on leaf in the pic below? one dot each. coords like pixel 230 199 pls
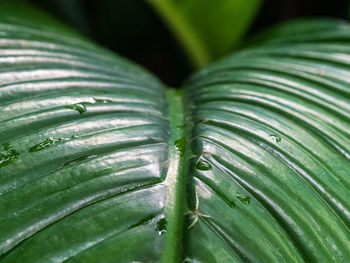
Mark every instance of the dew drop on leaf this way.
pixel 275 138
pixel 44 144
pixel 180 145
pixel 243 198
pixel 79 107
pixel 104 101
pixel 161 226
pixel 203 165
pixel 8 155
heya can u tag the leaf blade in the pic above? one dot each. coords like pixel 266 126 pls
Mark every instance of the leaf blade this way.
pixel 273 123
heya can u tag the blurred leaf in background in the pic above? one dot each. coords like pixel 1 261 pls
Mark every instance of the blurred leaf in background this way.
pixel 207 29
pixel 130 28
pixel 134 29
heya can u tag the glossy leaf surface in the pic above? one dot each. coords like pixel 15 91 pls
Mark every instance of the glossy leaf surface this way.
pixel 99 162
pixel 89 134
pixel 273 122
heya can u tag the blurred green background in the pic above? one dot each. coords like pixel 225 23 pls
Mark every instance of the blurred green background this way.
pixel 135 30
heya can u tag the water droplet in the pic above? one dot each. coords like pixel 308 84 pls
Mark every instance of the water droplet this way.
pixel 102 101
pixel 44 144
pixel 203 165
pixel 243 198
pixel 275 138
pixel 8 155
pixel 161 226
pixel 79 107
pixel 180 145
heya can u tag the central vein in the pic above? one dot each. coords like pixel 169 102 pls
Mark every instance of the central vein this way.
pixel 175 180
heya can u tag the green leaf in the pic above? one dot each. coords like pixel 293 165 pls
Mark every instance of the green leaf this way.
pixel 207 29
pixel 99 162
pixel 273 122
pixel 84 151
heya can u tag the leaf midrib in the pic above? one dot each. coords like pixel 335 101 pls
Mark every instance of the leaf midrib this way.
pixel 175 179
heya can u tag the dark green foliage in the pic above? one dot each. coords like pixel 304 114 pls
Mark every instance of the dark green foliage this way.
pixel 101 163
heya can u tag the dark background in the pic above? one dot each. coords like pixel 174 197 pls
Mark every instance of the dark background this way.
pixel 132 29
